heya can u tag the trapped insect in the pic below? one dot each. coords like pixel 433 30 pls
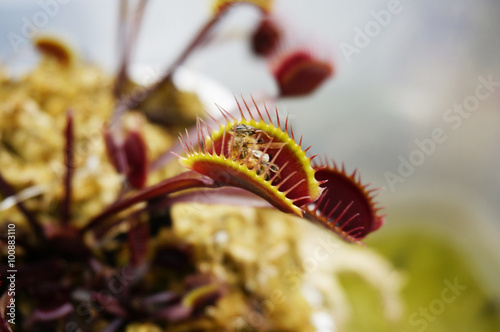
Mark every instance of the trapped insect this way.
pixel 249 146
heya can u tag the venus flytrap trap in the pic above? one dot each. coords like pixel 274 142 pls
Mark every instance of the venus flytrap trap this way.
pixel 257 156
pixel 346 206
pixel 106 247
pixel 266 37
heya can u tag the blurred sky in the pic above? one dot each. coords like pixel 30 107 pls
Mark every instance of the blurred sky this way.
pixel 398 88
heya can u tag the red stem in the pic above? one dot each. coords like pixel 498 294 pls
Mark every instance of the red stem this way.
pixel 70 166
pixel 134 100
pixel 126 44
pixel 180 182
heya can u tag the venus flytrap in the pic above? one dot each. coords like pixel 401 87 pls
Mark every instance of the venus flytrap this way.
pixel 249 157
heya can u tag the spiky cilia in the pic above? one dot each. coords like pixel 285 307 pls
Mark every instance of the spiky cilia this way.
pixel 346 206
pixel 271 165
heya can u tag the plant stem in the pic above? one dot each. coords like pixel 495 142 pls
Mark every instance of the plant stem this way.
pixel 180 182
pixel 126 43
pixel 69 163
pixel 132 101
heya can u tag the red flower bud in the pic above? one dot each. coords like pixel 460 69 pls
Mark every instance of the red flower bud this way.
pixel 266 37
pixel 299 73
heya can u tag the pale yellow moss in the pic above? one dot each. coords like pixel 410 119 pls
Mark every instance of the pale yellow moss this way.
pixel 32 121
pixel 143 327
pixel 249 250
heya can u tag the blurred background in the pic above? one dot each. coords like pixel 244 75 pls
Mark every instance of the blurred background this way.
pixel 414 104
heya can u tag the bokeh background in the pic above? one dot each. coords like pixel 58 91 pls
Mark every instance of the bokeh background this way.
pixel 400 85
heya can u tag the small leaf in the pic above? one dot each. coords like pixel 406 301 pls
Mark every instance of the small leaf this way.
pixel 137 161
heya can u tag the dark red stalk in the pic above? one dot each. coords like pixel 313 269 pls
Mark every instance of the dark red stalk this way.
pixel 122 46
pixel 225 196
pixel 134 100
pixel 7 190
pixel 180 182
pixel 126 44
pixel 70 166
